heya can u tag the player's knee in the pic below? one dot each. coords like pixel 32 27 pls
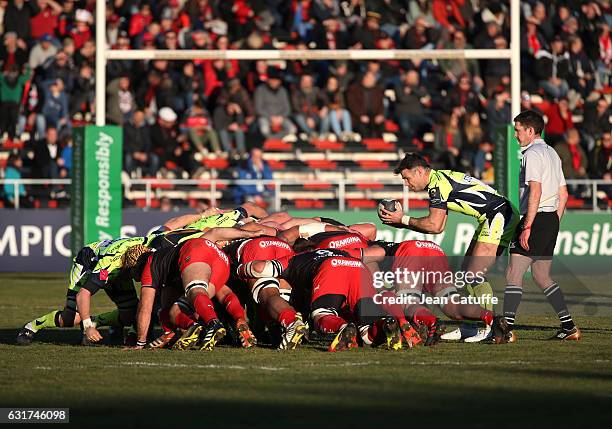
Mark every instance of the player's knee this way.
pixel 67 317
pixel 197 287
pixel 263 289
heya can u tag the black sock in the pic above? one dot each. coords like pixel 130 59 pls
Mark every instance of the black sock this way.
pixel 512 299
pixel 555 297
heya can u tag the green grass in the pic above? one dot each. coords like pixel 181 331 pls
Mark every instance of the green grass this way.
pixel 531 383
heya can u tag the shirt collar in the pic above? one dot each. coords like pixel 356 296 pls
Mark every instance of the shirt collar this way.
pixel 533 143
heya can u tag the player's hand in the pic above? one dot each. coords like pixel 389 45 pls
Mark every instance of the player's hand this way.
pixel 391 217
pixel 92 334
pixel 524 238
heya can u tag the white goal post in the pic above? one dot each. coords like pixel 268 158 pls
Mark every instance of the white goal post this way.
pixel 103 55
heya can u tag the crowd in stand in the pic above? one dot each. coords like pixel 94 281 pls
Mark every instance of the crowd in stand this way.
pixel 174 113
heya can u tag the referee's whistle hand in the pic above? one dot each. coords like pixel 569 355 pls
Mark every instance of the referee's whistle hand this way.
pixel 524 239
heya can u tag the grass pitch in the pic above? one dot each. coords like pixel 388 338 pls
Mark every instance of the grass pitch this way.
pixel 531 383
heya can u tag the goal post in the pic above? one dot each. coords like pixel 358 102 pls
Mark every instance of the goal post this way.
pixel 513 55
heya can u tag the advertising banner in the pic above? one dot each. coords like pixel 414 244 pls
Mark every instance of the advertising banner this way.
pixel 96 189
pixel 39 240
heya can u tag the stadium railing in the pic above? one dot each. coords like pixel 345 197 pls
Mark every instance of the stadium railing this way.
pixel 344 193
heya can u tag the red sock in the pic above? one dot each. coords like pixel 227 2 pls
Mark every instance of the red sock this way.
pixel 164 320
pixel 234 307
pixel 287 317
pixel 204 307
pixel 425 317
pixel 330 324
pixel 487 316
pixel 183 321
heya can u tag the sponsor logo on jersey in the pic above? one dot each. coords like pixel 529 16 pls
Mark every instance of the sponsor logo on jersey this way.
pixel 103 275
pixel 427 245
pixel 274 243
pixel 219 251
pixel 338 244
pixel 434 195
pixel 346 263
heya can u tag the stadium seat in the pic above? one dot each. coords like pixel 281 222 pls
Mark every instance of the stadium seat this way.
pixel 309 204
pixel 317 185
pixel 322 164
pixel 327 145
pixel 216 163
pixel 361 203
pixel 276 165
pixel 277 145
pixel 575 203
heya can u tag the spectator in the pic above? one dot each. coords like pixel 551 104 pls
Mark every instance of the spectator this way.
pixel 82 98
pixel 255 168
pixel 55 106
pixel 412 102
pixel 596 120
pixel 601 156
pixel 338 118
pixel 171 147
pixel 120 100
pixel 11 91
pixel 273 107
pixel 473 138
pixel 309 107
pixel 419 36
pixel 463 96
pixel 138 157
pixel 453 69
pixel 233 115
pixel 559 121
pixel 201 131
pixel 365 102
pixel 448 142
pixel 18 17
pixel 13 51
pixel 60 67
pixel 366 37
pixel 497 72
pixel 574 160
pixel 14 164
pixel 46 155
pixel 448 14
pixel 498 115
pixel 604 61
pixel 42 51
pixel 552 68
pixel 581 76
pixel 46 20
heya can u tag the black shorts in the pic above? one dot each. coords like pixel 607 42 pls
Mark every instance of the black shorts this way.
pixel 542 239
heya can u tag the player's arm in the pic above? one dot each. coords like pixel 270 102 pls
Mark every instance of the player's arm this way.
pixel 433 223
pixel 535 193
pixel 83 300
pixel 306 230
pixel 228 234
pixel 181 221
pixel 143 315
pixel 563 195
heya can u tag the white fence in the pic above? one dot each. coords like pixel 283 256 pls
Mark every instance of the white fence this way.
pixel 339 190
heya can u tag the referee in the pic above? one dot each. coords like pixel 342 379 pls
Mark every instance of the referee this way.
pixel 543 195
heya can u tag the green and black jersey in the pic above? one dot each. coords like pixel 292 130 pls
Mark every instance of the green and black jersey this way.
pixel 461 193
pixel 100 262
pixel 221 220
